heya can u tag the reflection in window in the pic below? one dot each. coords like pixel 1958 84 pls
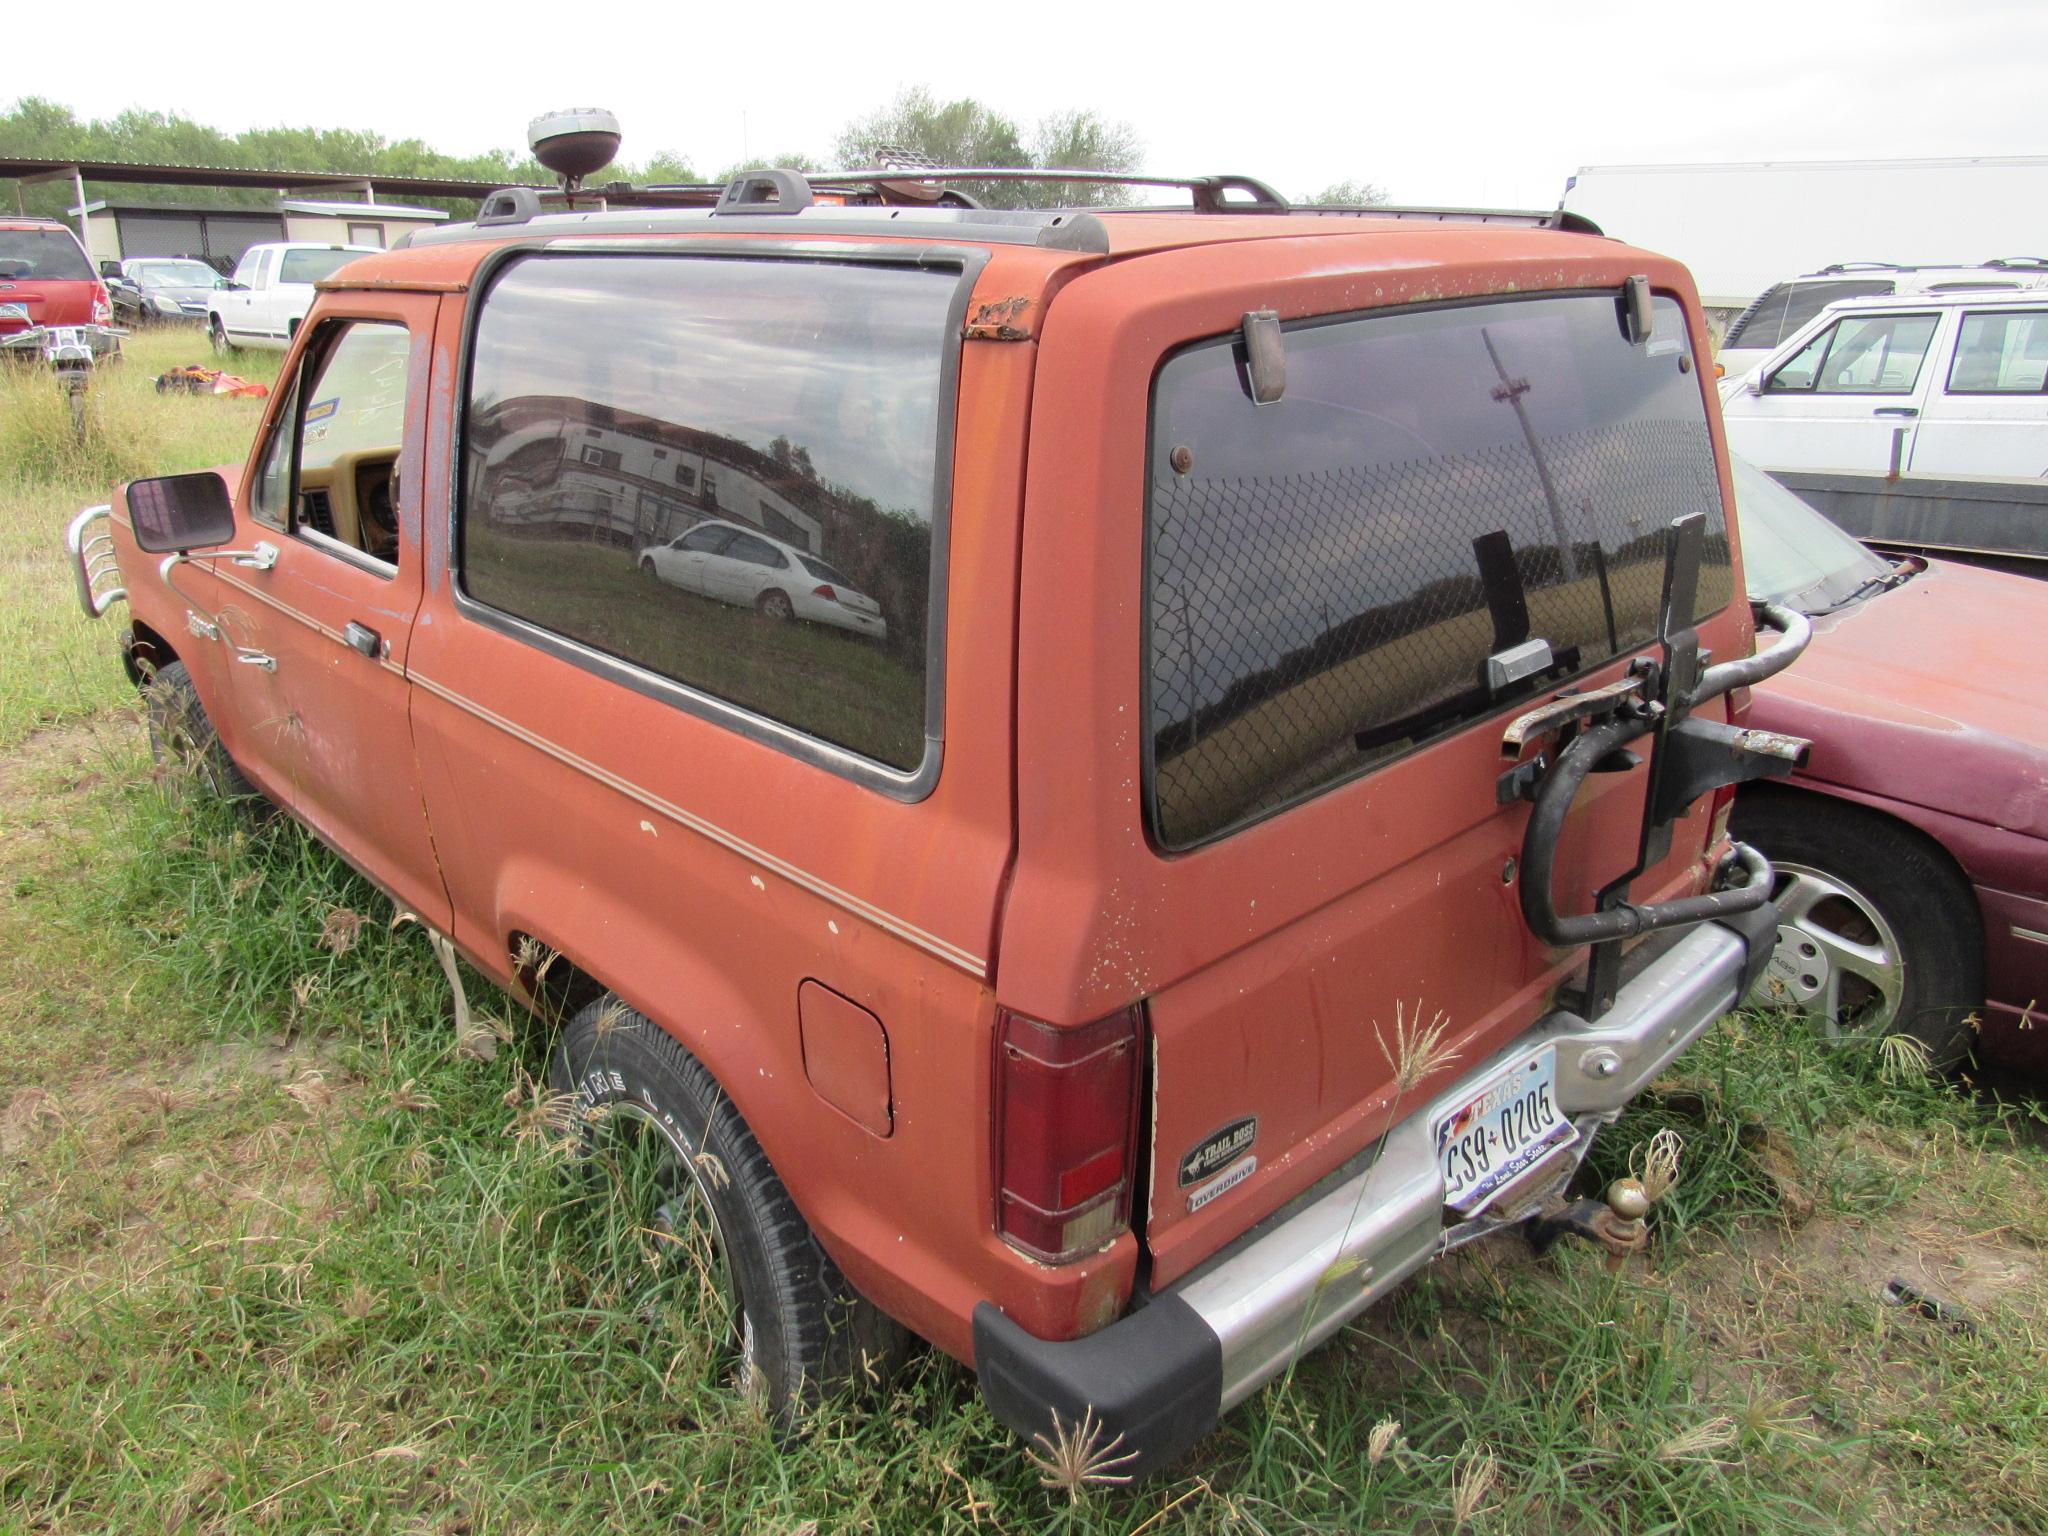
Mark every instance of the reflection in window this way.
pixel 1860 355
pixel 655 444
pixel 1327 575
pixel 2001 353
pixel 349 435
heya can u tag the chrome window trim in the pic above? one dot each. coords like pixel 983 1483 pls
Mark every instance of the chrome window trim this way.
pixel 305 533
pixel 907 785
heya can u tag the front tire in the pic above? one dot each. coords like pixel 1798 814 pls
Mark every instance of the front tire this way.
pixel 794 1328
pixel 182 738
pixel 1878 930
pixel 218 335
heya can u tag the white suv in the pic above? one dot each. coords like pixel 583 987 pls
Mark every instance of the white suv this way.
pixel 1785 307
pixel 1953 383
pixel 263 303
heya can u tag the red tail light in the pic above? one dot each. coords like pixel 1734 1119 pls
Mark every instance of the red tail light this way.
pixel 102 306
pixel 825 591
pixel 1066 1132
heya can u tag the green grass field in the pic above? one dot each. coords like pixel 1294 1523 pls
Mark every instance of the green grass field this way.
pixel 276 1257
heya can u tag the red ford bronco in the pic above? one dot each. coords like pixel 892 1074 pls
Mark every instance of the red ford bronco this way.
pixel 1103 784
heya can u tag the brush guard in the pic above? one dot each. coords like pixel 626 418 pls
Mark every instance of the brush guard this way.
pixel 1597 732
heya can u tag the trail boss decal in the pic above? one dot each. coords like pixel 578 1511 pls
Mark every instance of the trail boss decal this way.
pixel 1215 1151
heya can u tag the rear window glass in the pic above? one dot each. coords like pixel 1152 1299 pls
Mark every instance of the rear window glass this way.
pixel 311 266
pixel 1784 309
pixel 805 401
pixel 51 255
pixel 1328 575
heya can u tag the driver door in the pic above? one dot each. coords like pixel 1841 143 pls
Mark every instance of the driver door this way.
pixel 338 483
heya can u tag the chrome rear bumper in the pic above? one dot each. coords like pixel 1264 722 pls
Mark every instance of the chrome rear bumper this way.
pixel 1162 1376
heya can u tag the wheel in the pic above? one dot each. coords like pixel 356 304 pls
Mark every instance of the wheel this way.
pixel 647 570
pixel 790 1326
pixel 775 604
pixel 1878 930
pixel 181 737
pixel 218 335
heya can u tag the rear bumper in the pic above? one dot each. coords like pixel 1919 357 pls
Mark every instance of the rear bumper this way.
pixel 1161 1377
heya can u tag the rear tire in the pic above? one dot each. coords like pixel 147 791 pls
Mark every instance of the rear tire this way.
pixel 798 1329
pixel 182 738
pixel 775 606
pixel 1879 932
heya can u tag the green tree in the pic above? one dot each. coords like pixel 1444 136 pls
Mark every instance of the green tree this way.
pixel 917 128
pixel 1348 194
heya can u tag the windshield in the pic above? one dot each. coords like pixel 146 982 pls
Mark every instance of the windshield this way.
pixel 174 274
pixel 50 254
pixel 311 266
pixel 1792 554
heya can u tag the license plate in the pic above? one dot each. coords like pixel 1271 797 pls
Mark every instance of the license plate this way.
pixel 13 311
pixel 1501 1132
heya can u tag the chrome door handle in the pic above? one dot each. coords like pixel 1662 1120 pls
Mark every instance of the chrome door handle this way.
pixel 256 659
pixel 363 640
pixel 1895 410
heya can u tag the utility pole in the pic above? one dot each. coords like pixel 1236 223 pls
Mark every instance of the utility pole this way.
pixel 1511 391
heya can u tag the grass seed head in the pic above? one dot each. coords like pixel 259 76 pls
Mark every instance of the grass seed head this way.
pixel 1472 1480
pixel 1659 1164
pixel 1074 1459
pixel 1903 1059
pixel 1384 1441
pixel 1418 1049
pixel 1702 1440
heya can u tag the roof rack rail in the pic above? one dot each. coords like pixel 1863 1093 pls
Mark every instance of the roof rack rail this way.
pixel 781 191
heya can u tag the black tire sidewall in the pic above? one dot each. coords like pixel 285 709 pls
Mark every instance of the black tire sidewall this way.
pixel 630 1058
pixel 1927 901
pixel 180 732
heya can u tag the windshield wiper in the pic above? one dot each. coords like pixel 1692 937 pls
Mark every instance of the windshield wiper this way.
pixel 1872 585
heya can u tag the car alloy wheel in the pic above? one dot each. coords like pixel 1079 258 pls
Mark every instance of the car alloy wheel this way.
pixel 775 604
pixel 1837 956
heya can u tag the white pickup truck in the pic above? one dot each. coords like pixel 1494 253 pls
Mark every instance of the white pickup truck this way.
pixel 272 289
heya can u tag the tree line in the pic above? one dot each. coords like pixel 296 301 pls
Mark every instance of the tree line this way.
pixel 915 128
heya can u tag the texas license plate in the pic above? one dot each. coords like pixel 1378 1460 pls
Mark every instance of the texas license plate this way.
pixel 13 311
pixel 1501 1132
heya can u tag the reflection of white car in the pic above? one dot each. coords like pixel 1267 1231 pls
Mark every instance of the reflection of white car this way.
pixel 736 565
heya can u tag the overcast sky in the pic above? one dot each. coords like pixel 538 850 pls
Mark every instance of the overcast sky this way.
pixel 1474 102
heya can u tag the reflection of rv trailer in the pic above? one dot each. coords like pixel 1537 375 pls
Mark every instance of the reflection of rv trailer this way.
pixel 663 488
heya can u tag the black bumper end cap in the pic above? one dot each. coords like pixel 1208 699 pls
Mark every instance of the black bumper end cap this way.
pixel 1153 1381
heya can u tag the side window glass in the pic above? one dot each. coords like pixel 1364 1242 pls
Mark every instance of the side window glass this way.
pixel 808 399
pixel 350 419
pixel 2001 353
pixel 1803 369
pixel 1876 355
pixel 271 499
pixel 704 541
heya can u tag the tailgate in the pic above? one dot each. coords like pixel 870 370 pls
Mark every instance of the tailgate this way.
pixel 1454 513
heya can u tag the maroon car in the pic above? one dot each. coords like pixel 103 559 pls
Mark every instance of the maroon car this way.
pixel 1912 850
pixel 45 279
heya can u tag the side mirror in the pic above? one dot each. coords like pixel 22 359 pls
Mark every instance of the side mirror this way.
pixel 110 269
pixel 174 513
pixel 229 282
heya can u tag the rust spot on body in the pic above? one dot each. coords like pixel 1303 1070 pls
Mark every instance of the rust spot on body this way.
pixel 999 320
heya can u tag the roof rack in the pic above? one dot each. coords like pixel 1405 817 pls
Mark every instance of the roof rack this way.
pixel 776 193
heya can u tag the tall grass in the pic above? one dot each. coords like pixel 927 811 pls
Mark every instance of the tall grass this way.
pixel 54 665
